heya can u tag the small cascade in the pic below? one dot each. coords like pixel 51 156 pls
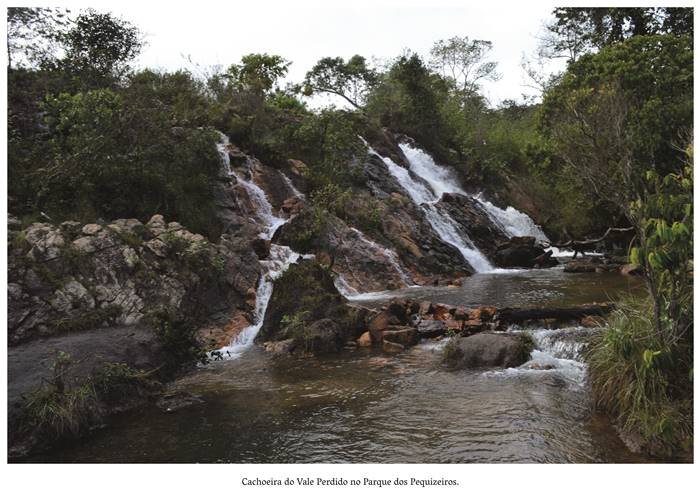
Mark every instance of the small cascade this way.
pixel 511 221
pixel 426 189
pixel 278 261
pixel 515 223
pixel 557 352
pixel 291 186
pixel 263 209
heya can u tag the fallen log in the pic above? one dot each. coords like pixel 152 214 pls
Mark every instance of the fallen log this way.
pixel 512 315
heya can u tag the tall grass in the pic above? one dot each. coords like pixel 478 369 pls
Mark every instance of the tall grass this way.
pixel 642 381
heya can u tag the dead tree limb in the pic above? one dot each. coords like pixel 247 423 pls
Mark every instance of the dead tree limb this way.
pixel 579 245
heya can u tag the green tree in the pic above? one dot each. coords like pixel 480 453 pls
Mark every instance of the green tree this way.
pixel 408 99
pixel 111 156
pixel 351 80
pixel 258 73
pixel 98 48
pixel 619 113
pixel 577 30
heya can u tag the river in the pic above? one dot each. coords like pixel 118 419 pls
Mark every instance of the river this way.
pixel 364 406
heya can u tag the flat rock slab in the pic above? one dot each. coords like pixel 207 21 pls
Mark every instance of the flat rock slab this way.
pixel 30 363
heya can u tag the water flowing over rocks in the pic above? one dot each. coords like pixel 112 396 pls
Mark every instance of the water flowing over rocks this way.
pixel 87 288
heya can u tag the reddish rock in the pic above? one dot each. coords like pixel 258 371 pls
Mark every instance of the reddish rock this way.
pixel 250 297
pixel 381 322
pixel 441 312
pixel 484 313
pixel 591 321
pixel 365 339
pixel 425 307
pixel 453 324
pixel 293 205
pixel 461 314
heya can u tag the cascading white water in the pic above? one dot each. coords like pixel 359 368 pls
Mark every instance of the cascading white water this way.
pixel 263 208
pixel 516 223
pixel 291 186
pixel 440 178
pixel 557 352
pixel 279 258
pixel 425 190
pixel 511 221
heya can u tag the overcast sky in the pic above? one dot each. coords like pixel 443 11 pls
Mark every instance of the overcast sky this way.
pixel 220 34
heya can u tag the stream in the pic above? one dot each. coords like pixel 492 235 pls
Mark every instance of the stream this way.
pixel 364 406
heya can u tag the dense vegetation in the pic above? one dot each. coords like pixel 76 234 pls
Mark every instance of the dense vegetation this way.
pixel 610 144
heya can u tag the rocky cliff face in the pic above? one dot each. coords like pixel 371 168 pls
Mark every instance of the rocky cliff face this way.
pixel 72 277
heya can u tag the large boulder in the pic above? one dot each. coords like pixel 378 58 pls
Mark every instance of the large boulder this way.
pixel 523 251
pixel 488 350
pixel 474 221
pixel 306 307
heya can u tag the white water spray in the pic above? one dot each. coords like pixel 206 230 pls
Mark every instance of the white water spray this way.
pixel 279 258
pixel 263 209
pixel 425 187
pixel 557 352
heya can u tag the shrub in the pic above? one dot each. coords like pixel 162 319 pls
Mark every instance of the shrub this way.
pixel 178 337
pixel 59 410
pixel 640 380
pixel 93 318
pixel 56 411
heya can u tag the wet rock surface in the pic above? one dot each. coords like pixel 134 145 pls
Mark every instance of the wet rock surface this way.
pixel 470 214
pixel 307 310
pixel 523 252
pixel 486 350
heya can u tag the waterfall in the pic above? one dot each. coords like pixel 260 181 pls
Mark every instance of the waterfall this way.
pixel 511 221
pixel 291 186
pixel 263 208
pixel 278 261
pixel 425 187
